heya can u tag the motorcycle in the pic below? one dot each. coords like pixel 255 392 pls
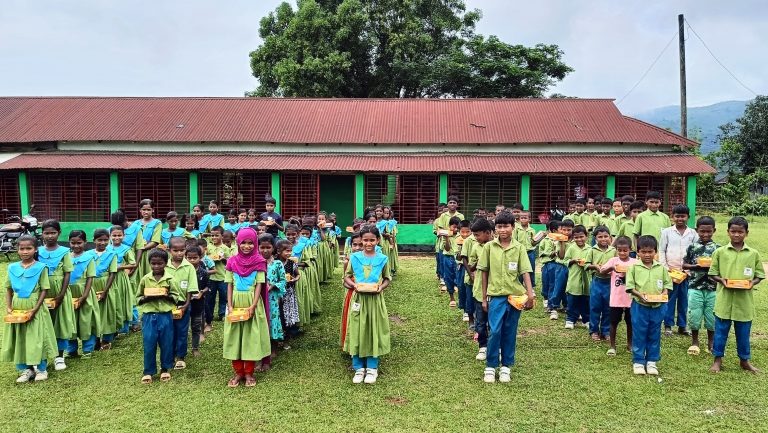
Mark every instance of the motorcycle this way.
pixel 14 228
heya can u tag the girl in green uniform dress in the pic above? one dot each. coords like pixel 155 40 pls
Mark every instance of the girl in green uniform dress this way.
pixel 324 264
pixel 31 344
pixel 132 238
pixel 368 321
pixel 246 342
pixel 59 264
pixel 298 256
pixel 87 316
pixel 309 257
pixel 151 233
pixel 389 216
pixel 123 287
pixel 103 282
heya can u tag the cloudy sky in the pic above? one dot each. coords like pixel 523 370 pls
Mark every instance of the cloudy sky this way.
pixel 200 47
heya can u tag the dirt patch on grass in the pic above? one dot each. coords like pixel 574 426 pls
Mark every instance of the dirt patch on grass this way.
pixel 396 401
pixel 394 318
pixel 529 332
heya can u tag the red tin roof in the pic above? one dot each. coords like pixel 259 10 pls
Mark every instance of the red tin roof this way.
pixel 324 121
pixel 671 163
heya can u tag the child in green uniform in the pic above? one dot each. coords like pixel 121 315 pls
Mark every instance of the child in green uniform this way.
pixel 547 256
pixel 247 341
pixel 449 259
pixel 275 279
pixel 87 315
pixel 123 287
pixel 174 230
pixel 31 344
pixel 525 234
pixel 324 264
pixel 368 322
pixel 59 264
pixel 500 263
pixel 482 232
pixel 156 316
pixel 652 221
pixel 103 283
pixel 648 277
pixel 151 232
pixel 627 227
pixel 577 287
pixel 735 261
pixel 194 255
pixel 600 287
pixel 392 230
pixel 219 253
pixel 701 289
pixel 185 275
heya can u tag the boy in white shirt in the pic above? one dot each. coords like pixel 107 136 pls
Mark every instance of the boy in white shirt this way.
pixel 673 247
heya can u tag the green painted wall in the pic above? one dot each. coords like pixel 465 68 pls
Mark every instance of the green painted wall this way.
pixel 610 186
pixel 359 195
pixel 87 227
pixel 337 194
pixel 690 198
pixel 525 191
pixel 194 189
pixel 23 193
pixel 275 183
pixel 443 191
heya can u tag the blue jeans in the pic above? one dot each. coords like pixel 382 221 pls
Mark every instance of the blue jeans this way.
pixel 466 302
pixel 41 367
pixel 62 344
pixel 157 330
pixel 532 259
pixel 107 338
pixel 439 264
pixel 481 324
pixel 365 362
pixel 88 345
pixel 180 334
pixel 600 306
pixel 502 321
pixel 677 297
pixel 557 292
pixel 741 329
pixel 219 287
pixel 449 273
pixel 548 275
pixel 578 306
pixel 646 333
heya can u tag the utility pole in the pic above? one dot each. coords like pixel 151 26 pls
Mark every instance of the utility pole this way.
pixel 683 99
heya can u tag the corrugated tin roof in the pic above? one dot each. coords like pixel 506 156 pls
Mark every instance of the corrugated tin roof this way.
pixel 676 163
pixel 322 121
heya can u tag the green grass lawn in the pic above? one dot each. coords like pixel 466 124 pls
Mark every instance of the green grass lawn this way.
pixel 430 382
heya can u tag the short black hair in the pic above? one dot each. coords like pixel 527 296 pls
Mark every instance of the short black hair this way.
pixel 219 229
pixel 600 229
pixel 652 195
pixel 194 249
pixel 554 225
pixel 581 201
pixel 738 221
pixel 647 242
pixel 705 221
pixel 78 234
pixel 99 233
pixel 51 223
pixel 176 239
pixel 623 241
pixel 453 198
pixel 606 200
pixel 636 205
pixel 580 229
pixel 518 206
pixel 482 225
pixel 370 228
pixel 116 227
pixel 681 209
pixel 567 223
pixel 270 200
pixel 266 237
pixel 505 217
pixel 202 243
pixel 283 244
pixel 627 198
pixel 454 221
pixel 464 223
pixel 157 252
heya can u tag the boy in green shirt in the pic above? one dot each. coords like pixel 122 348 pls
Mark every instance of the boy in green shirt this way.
pixel 627 228
pixel 465 292
pixel 185 275
pixel 524 234
pixel 557 292
pixel 449 259
pixel 652 221
pixel 577 287
pixel 647 278
pixel 600 288
pixel 500 263
pixel 735 261
pixel 156 317
pixel 579 217
pixel 482 231
pixel 547 255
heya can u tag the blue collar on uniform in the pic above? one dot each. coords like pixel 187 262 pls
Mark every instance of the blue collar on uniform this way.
pixel 80 264
pixel 24 281
pixel 51 259
pixel 243 284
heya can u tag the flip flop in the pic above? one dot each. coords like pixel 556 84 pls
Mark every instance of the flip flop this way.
pixel 234 382
pixel 146 380
pixel 611 352
pixel 452 304
pixel 165 377
pixel 694 350
pixel 250 381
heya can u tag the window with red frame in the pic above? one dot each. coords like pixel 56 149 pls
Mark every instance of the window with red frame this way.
pixel 479 191
pixel 235 190
pixel 672 189
pixel 9 194
pixel 548 191
pixel 299 195
pixel 70 196
pixel 416 199
pixel 169 192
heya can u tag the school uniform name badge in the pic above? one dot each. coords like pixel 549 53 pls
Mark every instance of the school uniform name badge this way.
pixel 660 284
pixel 512 266
pixel 748 272
pixel 184 284
pixel 355 306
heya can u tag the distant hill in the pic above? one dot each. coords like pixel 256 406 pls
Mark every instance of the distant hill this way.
pixel 708 119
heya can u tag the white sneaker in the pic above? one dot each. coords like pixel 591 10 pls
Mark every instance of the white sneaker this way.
pixel 638 369
pixel 26 376
pixel 568 325
pixel 553 315
pixel 465 317
pixel 651 369
pixel 482 354
pixel 504 375
pixel 59 364
pixel 584 325
pixel 370 375
pixel 546 303
pixel 41 376
pixel 359 375
pixel 489 376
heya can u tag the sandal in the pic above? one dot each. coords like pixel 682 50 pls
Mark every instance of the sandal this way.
pixel 235 381
pixel 180 365
pixel 165 377
pixel 452 304
pixel 668 332
pixel 146 380
pixel 105 346
pixel 611 352
pixel 694 350
pixel 595 337
pixel 250 381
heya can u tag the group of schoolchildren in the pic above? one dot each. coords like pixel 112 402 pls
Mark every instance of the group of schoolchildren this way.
pixel 606 261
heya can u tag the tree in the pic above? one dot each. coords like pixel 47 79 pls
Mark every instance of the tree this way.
pixel 394 48
pixel 744 145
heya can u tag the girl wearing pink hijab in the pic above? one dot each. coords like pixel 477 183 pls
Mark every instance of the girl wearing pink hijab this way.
pixel 246 342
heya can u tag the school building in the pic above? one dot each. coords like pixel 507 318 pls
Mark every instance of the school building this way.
pixel 80 158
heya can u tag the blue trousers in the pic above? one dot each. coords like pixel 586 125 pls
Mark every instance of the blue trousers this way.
pixel 481 324
pixel 220 288
pixel 62 344
pixel 646 333
pixel 578 306
pixel 502 322
pixel 107 338
pixel 548 275
pixel 181 334
pixel 678 301
pixel 741 329
pixel 157 330
pixel 365 362
pixel 532 259
pixel 88 345
pixel 449 273
pixel 557 292
pixel 42 366
pixel 466 302
pixel 600 306
pixel 439 264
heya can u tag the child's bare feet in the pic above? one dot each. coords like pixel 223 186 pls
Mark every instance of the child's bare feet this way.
pixel 717 365
pixel 745 364
pixel 196 353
